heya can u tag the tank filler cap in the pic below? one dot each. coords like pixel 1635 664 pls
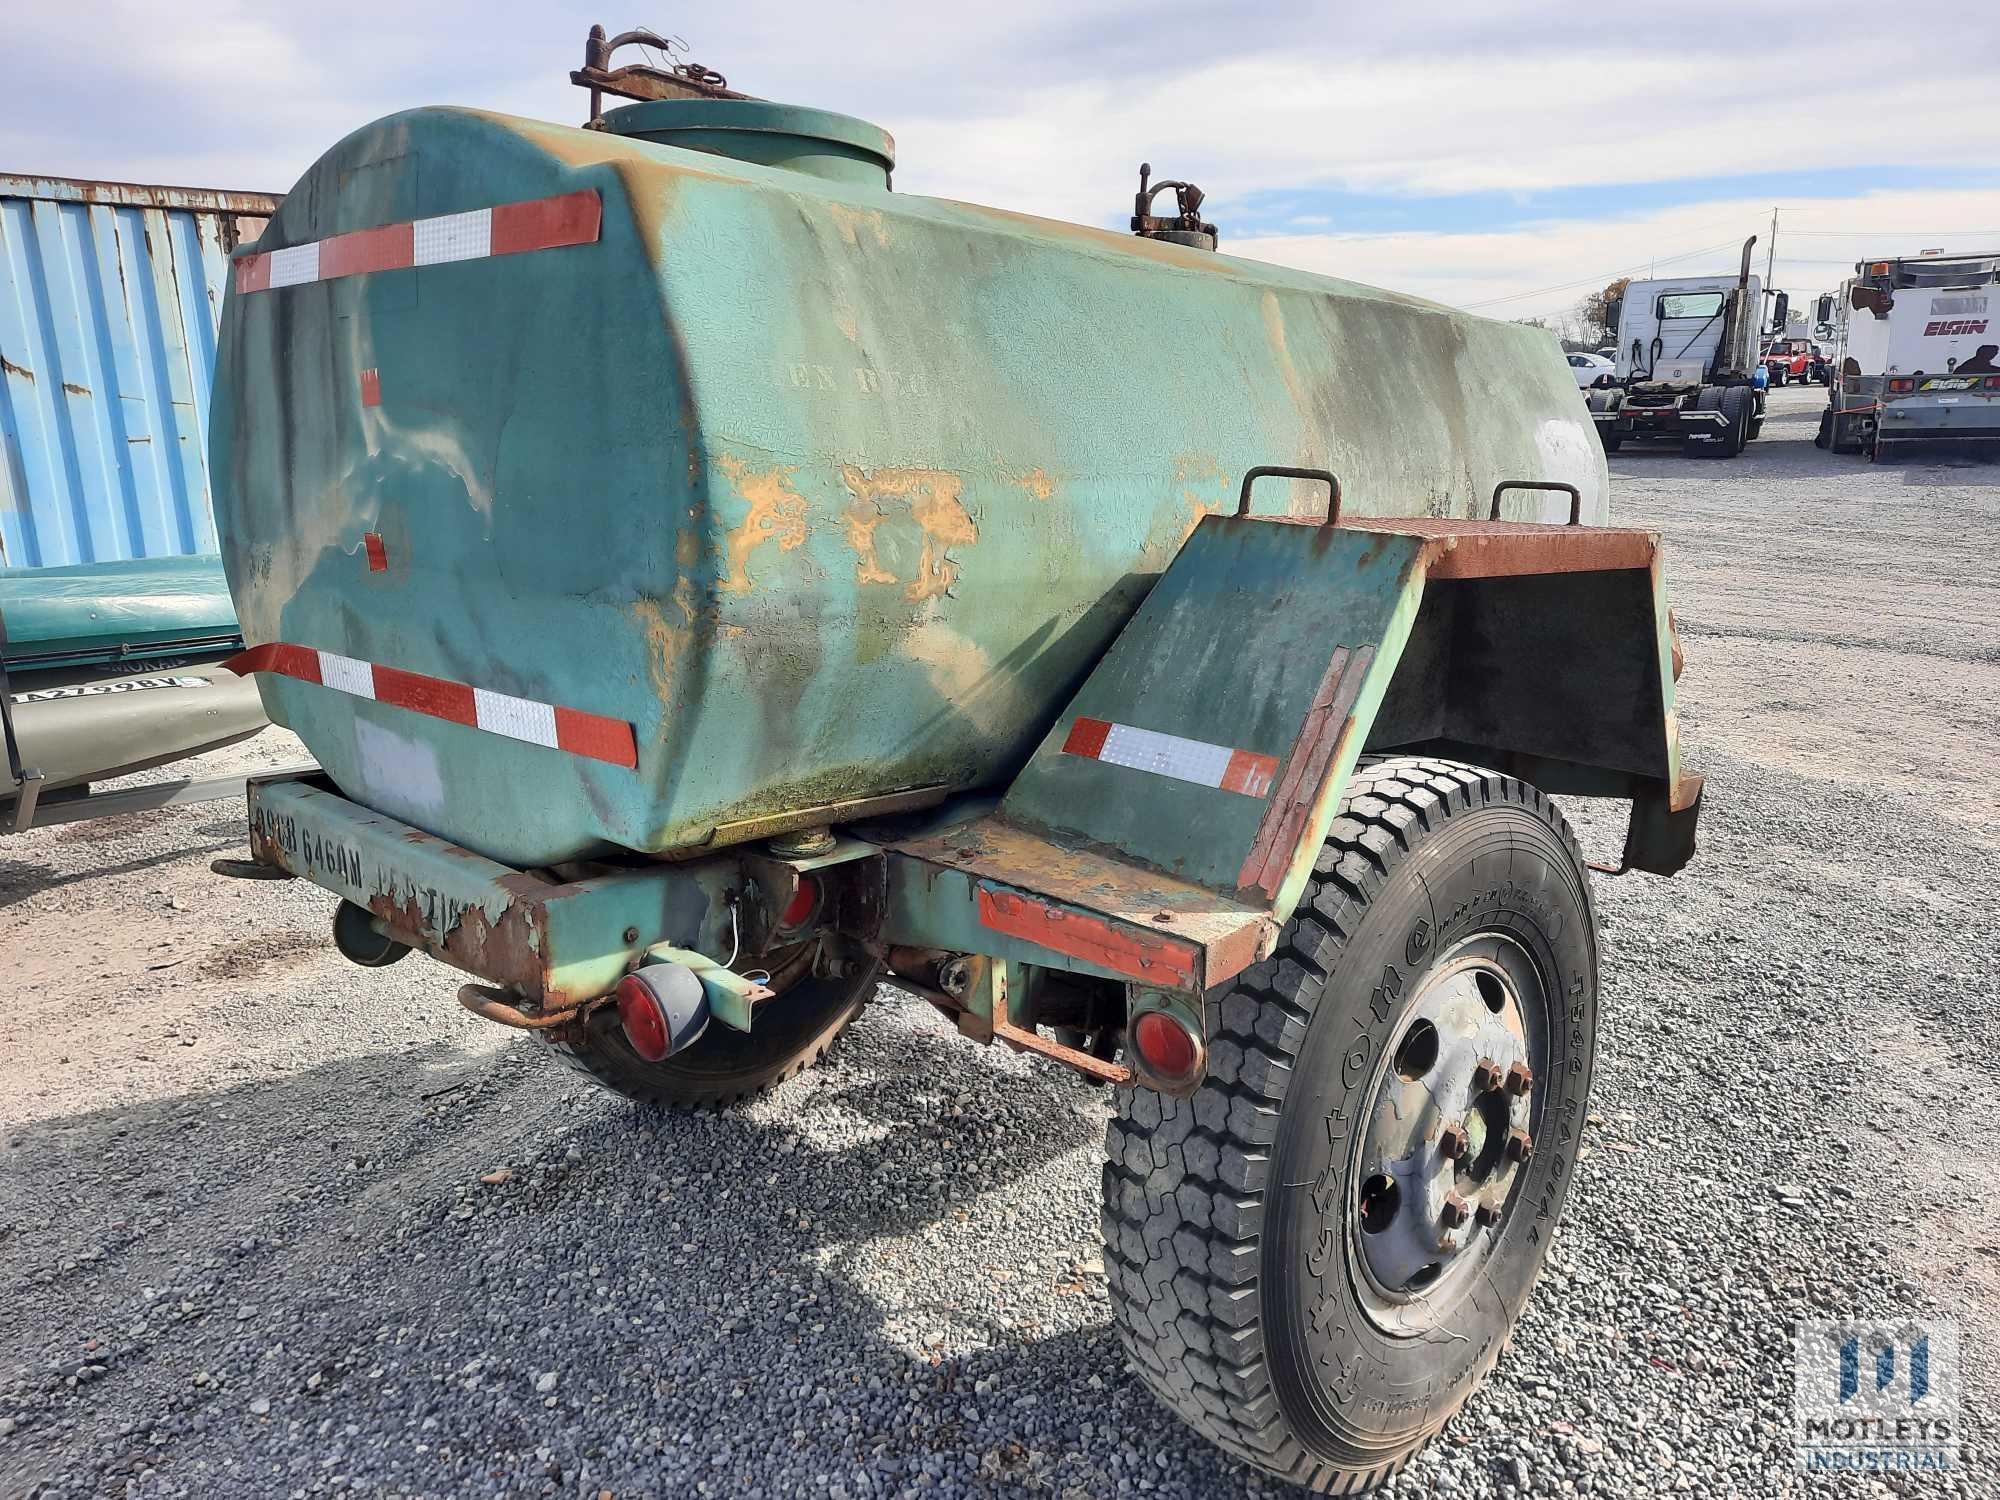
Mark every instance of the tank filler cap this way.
pixel 1183 228
pixel 838 148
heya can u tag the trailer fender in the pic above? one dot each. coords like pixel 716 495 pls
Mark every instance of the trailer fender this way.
pixel 1166 827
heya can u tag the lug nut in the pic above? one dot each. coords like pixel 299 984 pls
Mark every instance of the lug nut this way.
pixel 1452 1142
pixel 1487 1215
pixel 1520 1078
pixel 1519 1147
pixel 1486 1076
pixel 1455 1212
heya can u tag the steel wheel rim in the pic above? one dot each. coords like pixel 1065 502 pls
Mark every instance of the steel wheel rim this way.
pixel 1424 1209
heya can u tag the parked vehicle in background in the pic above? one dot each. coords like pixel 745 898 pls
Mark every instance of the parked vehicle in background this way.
pixel 111 668
pixel 1590 368
pixel 113 611
pixel 1916 357
pixel 1787 360
pixel 1687 357
pixel 1796 361
pixel 1242 800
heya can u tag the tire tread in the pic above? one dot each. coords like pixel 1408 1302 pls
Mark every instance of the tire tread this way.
pixel 1182 1268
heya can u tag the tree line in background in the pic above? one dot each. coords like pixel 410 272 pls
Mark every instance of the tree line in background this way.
pixel 1591 324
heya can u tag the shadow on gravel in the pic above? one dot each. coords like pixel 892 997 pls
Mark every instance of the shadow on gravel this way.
pixel 20 879
pixel 310 1271
pixel 1925 468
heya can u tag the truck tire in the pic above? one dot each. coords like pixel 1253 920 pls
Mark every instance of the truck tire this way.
pixel 1737 406
pixel 1265 1239
pixel 724 1066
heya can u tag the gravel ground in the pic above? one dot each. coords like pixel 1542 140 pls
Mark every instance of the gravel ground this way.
pixel 271 1225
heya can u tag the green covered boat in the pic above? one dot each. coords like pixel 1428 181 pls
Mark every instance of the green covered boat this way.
pixel 109 668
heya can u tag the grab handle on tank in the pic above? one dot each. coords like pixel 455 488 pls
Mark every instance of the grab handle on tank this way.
pixel 1575 495
pixel 1273 471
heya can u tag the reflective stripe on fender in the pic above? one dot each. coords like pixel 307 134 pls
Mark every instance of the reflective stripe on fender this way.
pixel 1198 761
pixel 505 229
pixel 544 724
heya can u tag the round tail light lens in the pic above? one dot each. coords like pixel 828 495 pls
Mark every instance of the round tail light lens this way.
pixel 644 1021
pixel 804 902
pixel 1168 1049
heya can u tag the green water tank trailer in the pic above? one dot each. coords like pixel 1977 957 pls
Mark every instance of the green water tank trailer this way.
pixel 712 582
pixel 809 498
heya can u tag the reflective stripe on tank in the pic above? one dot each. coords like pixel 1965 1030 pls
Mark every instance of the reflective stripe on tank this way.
pixel 505 229
pixel 544 724
pixel 1170 755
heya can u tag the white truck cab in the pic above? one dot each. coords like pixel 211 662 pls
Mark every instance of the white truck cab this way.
pixel 1686 367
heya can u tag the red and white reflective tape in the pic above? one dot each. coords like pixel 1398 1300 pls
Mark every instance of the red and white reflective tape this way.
pixel 1170 755
pixel 505 229
pixel 547 724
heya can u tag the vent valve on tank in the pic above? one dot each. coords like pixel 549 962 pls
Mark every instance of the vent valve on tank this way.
pixel 1182 228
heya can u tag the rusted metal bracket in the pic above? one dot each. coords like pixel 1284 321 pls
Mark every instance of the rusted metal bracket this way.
pixel 977 1000
pixel 992 991
pixel 1185 227
pixel 1023 1040
pixel 498 1006
pixel 680 80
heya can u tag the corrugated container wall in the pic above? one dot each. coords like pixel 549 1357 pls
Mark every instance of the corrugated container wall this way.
pixel 109 295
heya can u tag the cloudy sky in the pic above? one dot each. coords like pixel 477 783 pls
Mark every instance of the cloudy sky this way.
pixel 1502 155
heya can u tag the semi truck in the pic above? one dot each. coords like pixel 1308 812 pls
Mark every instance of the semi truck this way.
pixel 1916 355
pixel 1686 365
pixel 713 584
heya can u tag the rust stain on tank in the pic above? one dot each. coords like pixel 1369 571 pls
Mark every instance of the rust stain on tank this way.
pixel 862 515
pixel 667 638
pixel 931 498
pixel 946 523
pixel 860 224
pixel 1274 331
pixel 1175 519
pixel 11 368
pixel 777 514
pixel 649 185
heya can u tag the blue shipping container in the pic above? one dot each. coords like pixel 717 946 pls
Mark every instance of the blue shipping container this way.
pixel 109 296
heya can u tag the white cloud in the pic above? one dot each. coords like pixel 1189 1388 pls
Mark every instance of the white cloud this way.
pixel 1815 249
pixel 1435 121
pixel 1048 107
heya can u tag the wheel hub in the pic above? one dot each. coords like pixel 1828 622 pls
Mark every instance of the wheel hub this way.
pixel 1447 1132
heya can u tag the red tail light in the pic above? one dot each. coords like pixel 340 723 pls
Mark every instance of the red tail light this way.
pixel 1169 1050
pixel 1990 383
pixel 805 900
pixel 644 1021
pixel 1901 385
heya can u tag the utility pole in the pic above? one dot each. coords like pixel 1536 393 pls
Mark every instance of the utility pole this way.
pixel 1771 260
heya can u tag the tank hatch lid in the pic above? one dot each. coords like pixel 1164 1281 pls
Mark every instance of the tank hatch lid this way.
pixel 818 142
